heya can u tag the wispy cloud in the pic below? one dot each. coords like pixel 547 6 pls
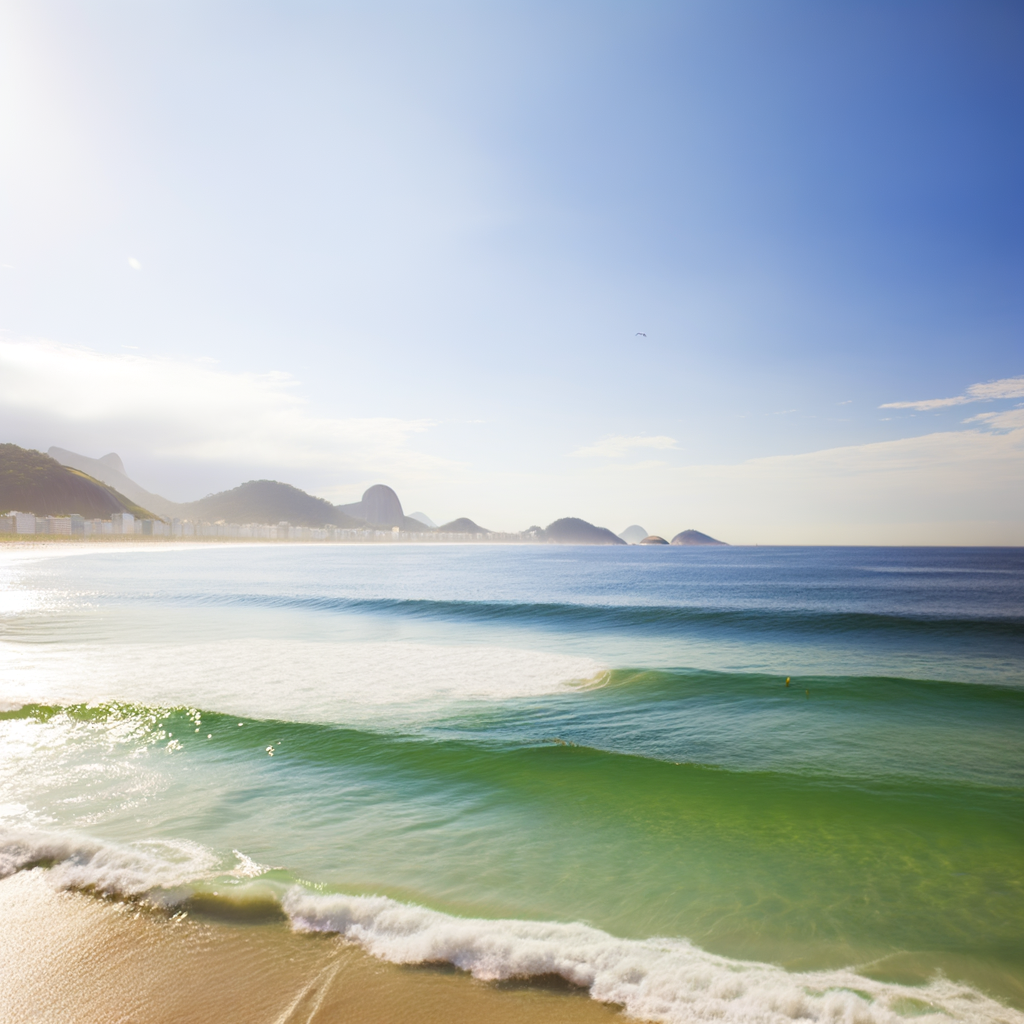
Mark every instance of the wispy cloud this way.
pixel 1008 419
pixel 194 410
pixel 1008 387
pixel 618 447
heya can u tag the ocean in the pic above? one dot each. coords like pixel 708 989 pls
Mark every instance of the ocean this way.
pixel 693 784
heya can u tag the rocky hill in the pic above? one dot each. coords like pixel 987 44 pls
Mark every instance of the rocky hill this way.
pixel 696 537
pixel 380 507
pixel 267 501
pixel 33 482
pixel 578 531
pixel 462 525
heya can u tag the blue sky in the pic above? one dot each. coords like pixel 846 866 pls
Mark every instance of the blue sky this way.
pixel 416 243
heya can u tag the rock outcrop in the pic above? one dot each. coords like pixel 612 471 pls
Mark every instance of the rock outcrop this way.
pixel 654 539
pixel 380 507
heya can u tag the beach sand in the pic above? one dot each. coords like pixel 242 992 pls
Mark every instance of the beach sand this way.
pixel 72 957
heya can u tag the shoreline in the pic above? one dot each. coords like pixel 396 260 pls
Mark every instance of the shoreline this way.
pixel 72 956
pixel 75 954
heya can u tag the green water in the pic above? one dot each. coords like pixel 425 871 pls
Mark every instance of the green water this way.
pixel 844 820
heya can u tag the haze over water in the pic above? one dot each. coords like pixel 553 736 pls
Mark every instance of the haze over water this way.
pixel 541 760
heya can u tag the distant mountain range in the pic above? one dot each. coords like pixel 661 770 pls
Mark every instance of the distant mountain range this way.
pixel 63 482
pixel 256 501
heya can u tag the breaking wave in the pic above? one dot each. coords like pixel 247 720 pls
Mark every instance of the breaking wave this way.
pixel 657 979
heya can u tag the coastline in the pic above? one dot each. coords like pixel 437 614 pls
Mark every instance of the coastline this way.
pixel 71 956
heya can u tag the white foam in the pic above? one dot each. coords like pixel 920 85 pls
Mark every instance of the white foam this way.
pixel 667 980
pixel 79 862
pixel 335 681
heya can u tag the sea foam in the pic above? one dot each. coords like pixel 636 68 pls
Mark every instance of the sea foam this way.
pixel 300 681
pixel 668 980
pixel 158 869
pixel 658 979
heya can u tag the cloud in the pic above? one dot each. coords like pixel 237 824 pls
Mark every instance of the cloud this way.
pixel 617 447
pixel 1008 387
pixel 928 403
pixel 1008 419
pixel 951 487
pixel 192 410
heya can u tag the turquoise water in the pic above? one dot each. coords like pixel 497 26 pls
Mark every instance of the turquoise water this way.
pixel 583 761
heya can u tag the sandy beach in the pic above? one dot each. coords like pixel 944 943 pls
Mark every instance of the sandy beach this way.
pixel 71 958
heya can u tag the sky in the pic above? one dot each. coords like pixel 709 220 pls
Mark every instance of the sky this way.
pixel 749 268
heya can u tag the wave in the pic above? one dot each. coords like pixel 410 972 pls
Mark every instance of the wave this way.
pixel 653 618
pixel 632 724
pixel 77 862
pixel 669 980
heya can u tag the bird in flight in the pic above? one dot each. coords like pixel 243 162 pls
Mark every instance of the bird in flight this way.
pixel 640 334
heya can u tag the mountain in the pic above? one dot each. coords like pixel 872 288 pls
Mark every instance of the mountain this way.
pixel 113 460
pixel 696 537
pixel 110 470
pixel 422 517
pixel 462 525
pixel 633 534
pixel 654 539
pixel 33 482
pixel 380 506
pixel 267 501
pixel 578 531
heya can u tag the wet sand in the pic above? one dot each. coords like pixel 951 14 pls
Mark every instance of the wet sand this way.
pixel 73 958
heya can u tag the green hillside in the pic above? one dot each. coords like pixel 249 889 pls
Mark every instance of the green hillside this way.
pixel 33 482
pixel 462 525
pixel 267 501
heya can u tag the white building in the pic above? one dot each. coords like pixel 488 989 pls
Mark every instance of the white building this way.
pixel 122 522
pixel 25 522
